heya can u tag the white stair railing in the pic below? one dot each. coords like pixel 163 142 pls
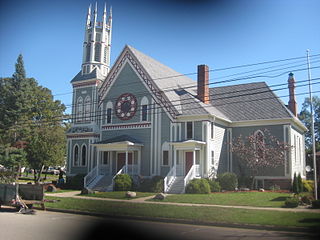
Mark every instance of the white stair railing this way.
pixel 169 179
pixel 121 171
pixel 90 177
pixel 191 175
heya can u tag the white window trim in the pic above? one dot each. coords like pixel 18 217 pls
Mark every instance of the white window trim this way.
pixel 165 147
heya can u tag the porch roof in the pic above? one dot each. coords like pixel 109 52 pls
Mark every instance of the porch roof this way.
pixel 188 144
pixel 123 142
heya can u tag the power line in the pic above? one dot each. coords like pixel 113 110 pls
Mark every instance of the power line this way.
pixel 102 114
pixel 235 91
pixel 223 69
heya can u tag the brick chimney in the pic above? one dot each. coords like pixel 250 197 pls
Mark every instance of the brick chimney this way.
pixel 203 84
pixel 292 104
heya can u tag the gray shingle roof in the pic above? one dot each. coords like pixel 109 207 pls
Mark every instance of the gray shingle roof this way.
pixel 122 138
pixel 171 82
pixel 167 79
pixel 252 101
pixel 95 74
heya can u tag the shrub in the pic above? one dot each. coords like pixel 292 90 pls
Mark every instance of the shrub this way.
pixel 75 182
pixel 214 185
pixel 308 185
pixel 198 186
pixel 244 181
pixel 228 181
pixel 7 177
pixel 295 186
pixel 316 204
pixel 122 182
pixel 157 184
pixel 291 202
pixel 154 184
pixel 300 184
pixel 307 199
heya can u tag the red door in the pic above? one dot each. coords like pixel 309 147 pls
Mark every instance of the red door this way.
pixel 189 161
pixel 122 160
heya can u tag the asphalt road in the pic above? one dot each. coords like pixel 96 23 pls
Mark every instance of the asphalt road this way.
pixel 62 226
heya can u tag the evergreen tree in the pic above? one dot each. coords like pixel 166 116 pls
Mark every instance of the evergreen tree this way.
pixel 299 183
pixel 295 184
pixel 31 118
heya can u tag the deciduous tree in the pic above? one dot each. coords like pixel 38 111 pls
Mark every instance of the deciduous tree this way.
pixel 260 151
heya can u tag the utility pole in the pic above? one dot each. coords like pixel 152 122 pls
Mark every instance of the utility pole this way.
pixel 312 132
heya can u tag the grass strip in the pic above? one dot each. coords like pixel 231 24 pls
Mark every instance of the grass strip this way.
pixel 254 199
pixel 195 213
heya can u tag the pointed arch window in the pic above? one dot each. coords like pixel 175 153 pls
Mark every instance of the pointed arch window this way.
pixel 144 109
pixel 83 155
pixel 79 111
pixel 87 108
pixel 76 155
pixel 97 52
pixel 109 113
pixel 88 52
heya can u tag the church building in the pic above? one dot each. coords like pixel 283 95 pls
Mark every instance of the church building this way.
pixel 143 118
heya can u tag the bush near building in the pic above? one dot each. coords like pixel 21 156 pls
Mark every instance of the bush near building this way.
pixel 198 186
pixel 122 182
pixel 228 181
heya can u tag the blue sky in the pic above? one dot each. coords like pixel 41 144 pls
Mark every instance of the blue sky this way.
pixel 180 34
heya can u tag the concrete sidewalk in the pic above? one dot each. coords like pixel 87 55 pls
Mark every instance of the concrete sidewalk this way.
pixel 75 194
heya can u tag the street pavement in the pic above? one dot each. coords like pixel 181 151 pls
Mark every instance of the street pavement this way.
pixel 64 226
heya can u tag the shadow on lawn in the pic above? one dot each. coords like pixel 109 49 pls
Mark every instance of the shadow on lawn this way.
pixel 279 199
pixel 310 220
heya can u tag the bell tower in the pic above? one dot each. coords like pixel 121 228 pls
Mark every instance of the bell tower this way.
pixel 97 42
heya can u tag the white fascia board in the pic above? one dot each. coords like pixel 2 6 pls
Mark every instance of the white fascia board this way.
pixel 204 117
pixel 277 121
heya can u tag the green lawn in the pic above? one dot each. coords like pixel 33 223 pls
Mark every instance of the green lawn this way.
pixel 255 199
pixel 118 195
pixel 211 214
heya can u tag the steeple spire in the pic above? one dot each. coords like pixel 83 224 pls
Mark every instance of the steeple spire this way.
pixel 88 16
pixel 97 42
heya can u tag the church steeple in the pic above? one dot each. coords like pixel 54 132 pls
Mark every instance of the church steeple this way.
pixel 97 42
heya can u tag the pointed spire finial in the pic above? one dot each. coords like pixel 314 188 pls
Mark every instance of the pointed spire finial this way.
pixel 89 9
pixel 96 8
pixel 110 15
pixel 105 8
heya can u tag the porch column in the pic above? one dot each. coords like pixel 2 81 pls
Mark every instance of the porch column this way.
pixel 175 161
pixel 126 168
pixel 194 157
pixel 139 162
pixel 98 158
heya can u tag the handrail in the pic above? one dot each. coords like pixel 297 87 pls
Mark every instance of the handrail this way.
pixel 119 172
pixel 89 178
pixel 168 180
pixel 190 175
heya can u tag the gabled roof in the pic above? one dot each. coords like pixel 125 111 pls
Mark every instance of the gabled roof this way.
pixel 165 82
pixel 251 101
pixel 243 102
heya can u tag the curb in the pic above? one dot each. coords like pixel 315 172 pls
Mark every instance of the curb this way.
pixel 184 221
